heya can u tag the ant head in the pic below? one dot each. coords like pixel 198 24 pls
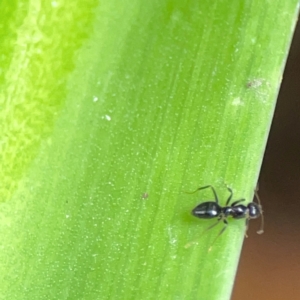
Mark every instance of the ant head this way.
pixel 254 210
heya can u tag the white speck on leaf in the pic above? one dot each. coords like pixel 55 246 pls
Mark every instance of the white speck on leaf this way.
pixel 255 83
pixel 237 101
pixel 107 117
pixel 54 4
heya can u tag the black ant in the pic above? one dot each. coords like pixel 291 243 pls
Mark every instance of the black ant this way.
pixel 212 209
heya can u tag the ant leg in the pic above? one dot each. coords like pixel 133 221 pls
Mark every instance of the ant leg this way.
pixel 230 197
pixel 208 228
pixel 222 231
pixel 238 201
pixel 261 230
pixel 213 225
pixel 205 187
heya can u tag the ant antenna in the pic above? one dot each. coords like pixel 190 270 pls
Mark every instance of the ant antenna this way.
pixel 261 230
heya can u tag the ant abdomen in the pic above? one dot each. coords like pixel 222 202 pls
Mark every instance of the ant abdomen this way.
pixel 207 210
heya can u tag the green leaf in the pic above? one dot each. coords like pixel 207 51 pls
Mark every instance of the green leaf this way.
pixel 110 112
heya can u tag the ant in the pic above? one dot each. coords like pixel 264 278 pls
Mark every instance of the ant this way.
pixel 212 209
